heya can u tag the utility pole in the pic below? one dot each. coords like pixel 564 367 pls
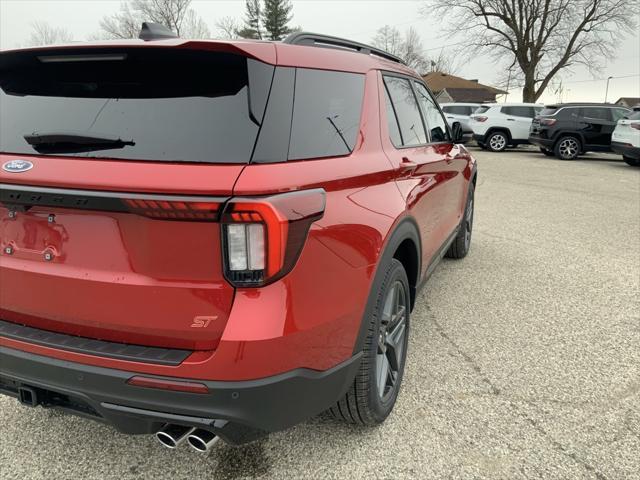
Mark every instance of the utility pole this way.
pixel 508 82
pixel 606 93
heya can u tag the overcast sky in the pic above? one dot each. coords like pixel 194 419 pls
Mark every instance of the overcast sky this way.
pixel 355 19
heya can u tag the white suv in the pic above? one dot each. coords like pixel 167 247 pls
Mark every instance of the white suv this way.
pixel 626 138
pixel 459 112
pixel 497 126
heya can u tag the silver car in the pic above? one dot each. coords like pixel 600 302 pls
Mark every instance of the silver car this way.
pixel 459 112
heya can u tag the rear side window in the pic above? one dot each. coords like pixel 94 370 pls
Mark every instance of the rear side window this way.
pixel 596 113
pixel 406 109
pixel 459 109
pixel 549 111
pixel 619 113
pixel 392 121
pixel 435 121
pixel 326 113
pixel 481 110
pixel 526 112
pixel 153 104
pixel 634 115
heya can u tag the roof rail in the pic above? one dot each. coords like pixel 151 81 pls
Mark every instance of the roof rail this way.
pixel 155 31
pixel 327 41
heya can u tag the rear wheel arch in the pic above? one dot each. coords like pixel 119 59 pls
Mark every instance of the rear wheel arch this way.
pixel 403 243
pixel 500 129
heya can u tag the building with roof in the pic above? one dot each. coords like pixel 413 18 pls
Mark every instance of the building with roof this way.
pixel 449 88
pixel 628 102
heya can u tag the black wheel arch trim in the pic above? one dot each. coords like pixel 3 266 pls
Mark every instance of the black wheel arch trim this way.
pixel 493 130
pixel 568 133
pixel 406 229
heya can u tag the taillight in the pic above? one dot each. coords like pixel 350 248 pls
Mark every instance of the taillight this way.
pixel 635 125
pixel 548 121
pixel 480 118
pixel 162 208
pixel 263 237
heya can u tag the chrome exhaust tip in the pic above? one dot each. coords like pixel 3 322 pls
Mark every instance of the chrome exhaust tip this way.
pixel 172 436
pixel 202 440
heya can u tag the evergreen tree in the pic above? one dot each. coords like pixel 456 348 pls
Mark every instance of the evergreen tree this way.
pixel 275 18
pixel 251 27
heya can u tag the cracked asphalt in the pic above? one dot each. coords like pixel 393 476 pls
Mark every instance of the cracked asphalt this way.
pixel 524 357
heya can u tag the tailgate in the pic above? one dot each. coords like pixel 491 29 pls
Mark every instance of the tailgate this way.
pixel 94 264
pixel 116 161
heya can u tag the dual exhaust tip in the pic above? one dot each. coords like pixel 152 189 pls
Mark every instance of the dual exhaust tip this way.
pixel 172 436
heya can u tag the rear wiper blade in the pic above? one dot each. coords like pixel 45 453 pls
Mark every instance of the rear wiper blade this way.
pixel 74 142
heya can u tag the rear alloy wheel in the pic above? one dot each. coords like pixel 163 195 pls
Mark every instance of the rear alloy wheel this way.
pixel 547 152
pixel 375 389
pixel 567 148
pixel 634 162
pixel 497 141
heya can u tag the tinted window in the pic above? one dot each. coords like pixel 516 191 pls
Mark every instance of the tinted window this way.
pixel 406 108
pixel 549 110
pixel 481 109
pixel 619 113
pixel 527 112
pixel 596 113
pixel 435 121
pixel 392 121
pixel 168 105
pixel 459 109
pixel 448 109
pixel 326 113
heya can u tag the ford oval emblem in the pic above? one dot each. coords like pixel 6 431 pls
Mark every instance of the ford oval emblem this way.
pixel 17 166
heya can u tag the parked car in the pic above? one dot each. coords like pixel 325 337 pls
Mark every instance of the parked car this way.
pixel 626 138
pixel 460 112
pixel 497 126
pixel 187 251
pixel 570 129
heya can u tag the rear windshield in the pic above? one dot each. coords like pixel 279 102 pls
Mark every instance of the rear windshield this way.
pixel 142 104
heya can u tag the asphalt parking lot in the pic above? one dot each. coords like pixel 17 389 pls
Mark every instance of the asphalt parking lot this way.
pixel 524 357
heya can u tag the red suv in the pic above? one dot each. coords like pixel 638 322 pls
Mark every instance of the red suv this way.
pixel 219 239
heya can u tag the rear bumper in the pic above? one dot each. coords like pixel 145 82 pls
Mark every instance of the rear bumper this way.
pixel 541 142
pixel 238 412
pixel 479 138
pixel 626 150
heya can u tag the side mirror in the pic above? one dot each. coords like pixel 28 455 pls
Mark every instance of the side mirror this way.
pixel 456 130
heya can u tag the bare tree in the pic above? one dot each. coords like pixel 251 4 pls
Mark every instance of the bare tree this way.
pixel 174 14
pixel 539 37
pixel 44 34
pixel 407 46
pixel 389 39
pixel 228 27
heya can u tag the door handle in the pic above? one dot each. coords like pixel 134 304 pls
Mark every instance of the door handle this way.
pixel 408 165
pixel 511 119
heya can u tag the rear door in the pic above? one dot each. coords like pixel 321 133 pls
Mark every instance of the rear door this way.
pixel 425 174
pixel 597 125
pixel 113 234
pixel 519 120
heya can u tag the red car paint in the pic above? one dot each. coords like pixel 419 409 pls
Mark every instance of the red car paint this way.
pixel 104 283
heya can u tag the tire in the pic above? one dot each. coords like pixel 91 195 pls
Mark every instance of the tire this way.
pixel 547 152
pixel 460 246
pixel 373 394
pixel 497 141
pixel 632 161
pixel 567 147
